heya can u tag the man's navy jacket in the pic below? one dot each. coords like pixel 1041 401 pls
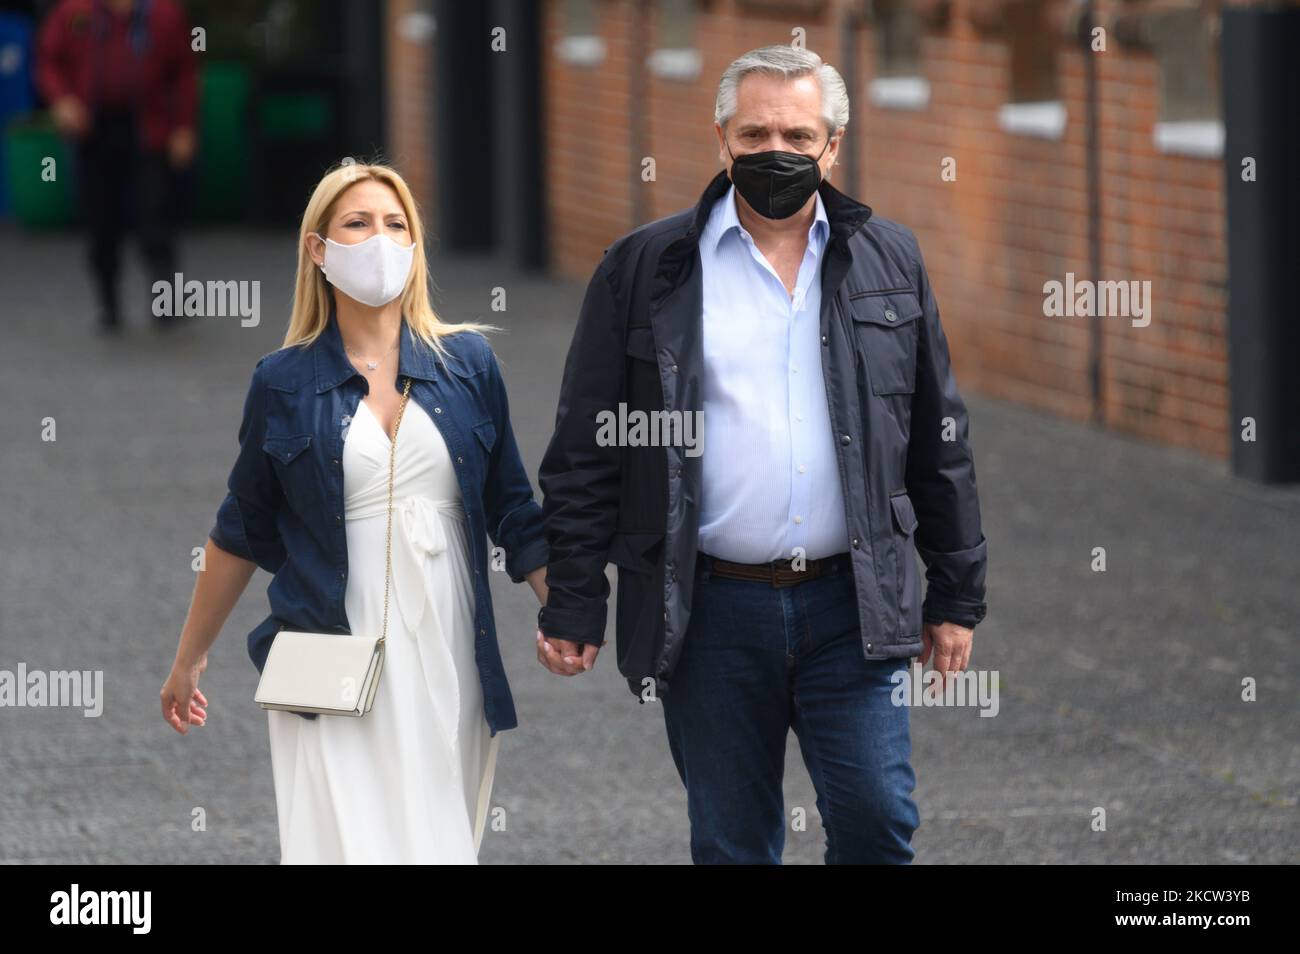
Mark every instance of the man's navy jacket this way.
pixel 900 427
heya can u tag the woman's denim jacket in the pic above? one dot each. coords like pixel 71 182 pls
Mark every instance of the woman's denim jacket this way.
pixel 284 509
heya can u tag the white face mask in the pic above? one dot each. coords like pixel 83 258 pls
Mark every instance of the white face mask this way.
pixel 374 272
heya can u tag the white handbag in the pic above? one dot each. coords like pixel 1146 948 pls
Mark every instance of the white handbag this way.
pixel 331 673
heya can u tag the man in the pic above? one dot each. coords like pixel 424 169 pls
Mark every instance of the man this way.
pixel 768 583
pixel 119 76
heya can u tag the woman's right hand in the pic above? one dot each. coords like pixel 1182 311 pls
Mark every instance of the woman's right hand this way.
pixel 183 704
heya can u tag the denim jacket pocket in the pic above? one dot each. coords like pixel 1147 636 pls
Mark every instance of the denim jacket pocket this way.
pixel 293 469
pixel 486 432
pixel 285 449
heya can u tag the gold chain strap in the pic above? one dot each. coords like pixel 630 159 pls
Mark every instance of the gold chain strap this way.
pixel 392 467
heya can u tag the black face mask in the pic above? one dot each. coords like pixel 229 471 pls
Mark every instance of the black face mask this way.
pixel 775 183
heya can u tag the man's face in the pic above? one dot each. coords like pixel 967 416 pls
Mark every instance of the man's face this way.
pixel 776 113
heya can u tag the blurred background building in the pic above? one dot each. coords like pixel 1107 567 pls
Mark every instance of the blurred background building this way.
pixel 1022 140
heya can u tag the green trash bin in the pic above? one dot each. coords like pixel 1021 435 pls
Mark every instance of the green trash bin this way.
pixel 296 140
pixel 38 175
pixel 291 116
pixel 224 152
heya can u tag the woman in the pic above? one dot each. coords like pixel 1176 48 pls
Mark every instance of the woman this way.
pixel 308 501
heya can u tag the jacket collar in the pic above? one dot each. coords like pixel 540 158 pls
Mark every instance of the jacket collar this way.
pixel 845 215
pixel 333 367
pixel 723 217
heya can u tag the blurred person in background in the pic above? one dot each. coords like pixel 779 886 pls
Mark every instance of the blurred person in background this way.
pixel 119 77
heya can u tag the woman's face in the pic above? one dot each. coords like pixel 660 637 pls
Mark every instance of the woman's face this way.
pixel 361 211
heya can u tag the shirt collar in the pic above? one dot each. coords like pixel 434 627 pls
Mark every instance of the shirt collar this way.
pixel 724 218
pixel 333 367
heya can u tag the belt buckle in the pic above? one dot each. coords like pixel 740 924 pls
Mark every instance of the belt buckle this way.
pixel 812 569
pixel 791 579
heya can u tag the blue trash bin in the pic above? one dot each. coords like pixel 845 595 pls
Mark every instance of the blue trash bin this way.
pixel 17 91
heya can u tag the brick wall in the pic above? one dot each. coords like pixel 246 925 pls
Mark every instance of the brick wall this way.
pixel 409 63
pixel 1015 217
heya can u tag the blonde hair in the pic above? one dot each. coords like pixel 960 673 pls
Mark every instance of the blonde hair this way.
pixel 311 297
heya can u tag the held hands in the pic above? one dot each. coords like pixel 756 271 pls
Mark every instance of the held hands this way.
pixel 951 644
pixel 565 658
pixel 560 656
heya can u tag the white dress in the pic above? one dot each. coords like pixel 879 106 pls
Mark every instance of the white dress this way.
pixel 408 782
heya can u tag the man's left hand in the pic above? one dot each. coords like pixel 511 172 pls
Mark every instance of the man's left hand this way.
pixel 951 644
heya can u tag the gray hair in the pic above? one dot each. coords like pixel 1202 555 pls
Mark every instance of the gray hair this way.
pixel 789 62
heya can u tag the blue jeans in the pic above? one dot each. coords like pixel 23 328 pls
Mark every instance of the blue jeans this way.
pixel 756 662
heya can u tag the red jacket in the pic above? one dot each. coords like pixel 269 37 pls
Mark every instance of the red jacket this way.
pixel 86 50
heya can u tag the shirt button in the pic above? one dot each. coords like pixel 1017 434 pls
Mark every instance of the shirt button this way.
pixel 845 439
pixel 802 468
pixel 798 519
pixel 890 315
pixel 437 410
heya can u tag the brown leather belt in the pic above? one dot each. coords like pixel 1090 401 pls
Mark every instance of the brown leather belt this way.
pixel 778 572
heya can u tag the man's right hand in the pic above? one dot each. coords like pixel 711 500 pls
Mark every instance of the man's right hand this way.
pixel 563 657
pixel 70 116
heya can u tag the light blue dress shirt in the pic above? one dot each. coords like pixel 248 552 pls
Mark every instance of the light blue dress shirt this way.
pixel 771 483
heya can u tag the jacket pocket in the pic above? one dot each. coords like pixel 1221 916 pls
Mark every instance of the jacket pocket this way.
pixel 909 575
pixel 635 551
pixel 638 627
pixel 285 449
pixel 886 328
pixel 486 432
pixel 641 343
pixel 480 449
pixel 293 470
